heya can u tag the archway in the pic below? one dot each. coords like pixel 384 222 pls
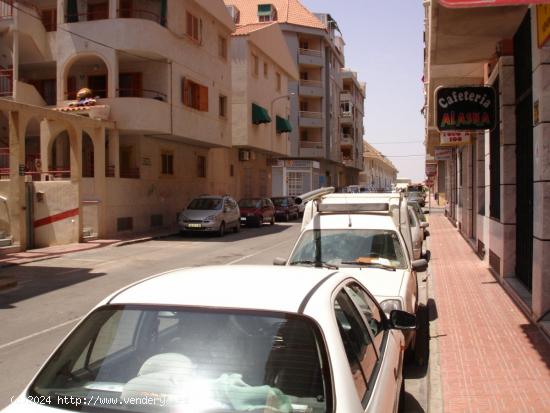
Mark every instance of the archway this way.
pixel 33 164
pixel 87 156
pixel 89 71
pixel 60 157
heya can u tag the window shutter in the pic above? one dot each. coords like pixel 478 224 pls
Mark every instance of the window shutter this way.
pixel 71 87
pixel 203 98
pixel 185 92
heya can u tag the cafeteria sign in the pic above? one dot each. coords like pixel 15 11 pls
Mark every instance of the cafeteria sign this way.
pixel 465 108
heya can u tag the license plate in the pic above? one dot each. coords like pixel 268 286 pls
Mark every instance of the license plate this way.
pixel 193 225
pixel 243 218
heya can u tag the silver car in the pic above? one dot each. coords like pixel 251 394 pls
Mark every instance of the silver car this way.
pixel 210 213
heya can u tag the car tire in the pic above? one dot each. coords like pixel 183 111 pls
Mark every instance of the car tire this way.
pixel 287 217
pixel 221 231
pixel 272 222
pixel 237 228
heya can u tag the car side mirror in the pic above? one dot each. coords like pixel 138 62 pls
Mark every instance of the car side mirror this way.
pixel 426 212
pixel 279 261
pixel 426 234
pixel 420 265
pixel 401 320
pixel 424 225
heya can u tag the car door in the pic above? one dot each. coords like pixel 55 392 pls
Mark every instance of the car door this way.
pixel 373 359
pixel 416 232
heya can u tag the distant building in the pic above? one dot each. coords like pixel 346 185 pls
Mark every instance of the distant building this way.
pixel 378 173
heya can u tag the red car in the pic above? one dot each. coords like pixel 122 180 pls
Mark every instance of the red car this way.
pixel 285 208
pixel 256 211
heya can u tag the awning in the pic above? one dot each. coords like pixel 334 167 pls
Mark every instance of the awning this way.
pixel 259 115
pixel 283 125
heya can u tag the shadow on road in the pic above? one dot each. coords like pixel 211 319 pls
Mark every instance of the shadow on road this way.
pixel 417 367
pixel 35 281
pixel 412 405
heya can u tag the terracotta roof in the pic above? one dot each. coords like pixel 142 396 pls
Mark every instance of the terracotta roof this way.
pixel 249 28
pixel 288 11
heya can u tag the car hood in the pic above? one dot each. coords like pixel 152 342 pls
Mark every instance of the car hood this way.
pixel 196 214
pixel 247 210
pixel 381 283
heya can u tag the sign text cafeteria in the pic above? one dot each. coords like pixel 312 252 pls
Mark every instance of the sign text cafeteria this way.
pixel 465 108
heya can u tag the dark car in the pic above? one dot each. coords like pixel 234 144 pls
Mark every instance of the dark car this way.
pixel 285 208
pixel 256 211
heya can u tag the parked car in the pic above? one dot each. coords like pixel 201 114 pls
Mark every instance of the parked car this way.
pixel 256 211
pixel 194 340
pixel 285 208
pixel 422 216
pixel 417 232
pixel 209 213
pixel 301 207
pixel 369 235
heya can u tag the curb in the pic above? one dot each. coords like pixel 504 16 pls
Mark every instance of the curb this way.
pixel 435 393
pixel 13 264
pixel 144 239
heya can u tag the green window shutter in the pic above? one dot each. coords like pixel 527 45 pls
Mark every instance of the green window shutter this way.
pixel 259 115
pixel 264 9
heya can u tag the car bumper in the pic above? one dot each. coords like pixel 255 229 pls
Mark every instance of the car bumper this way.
pixel 199 227
pixel 252 220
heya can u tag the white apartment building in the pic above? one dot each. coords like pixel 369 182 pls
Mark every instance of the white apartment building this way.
pixel 379 173
pixel 161 77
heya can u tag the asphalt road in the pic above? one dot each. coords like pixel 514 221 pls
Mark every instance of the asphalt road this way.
pixel 53 295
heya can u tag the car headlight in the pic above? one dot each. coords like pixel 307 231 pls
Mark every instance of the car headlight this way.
pixel 183 217
pixel 391 304
pixel 210 218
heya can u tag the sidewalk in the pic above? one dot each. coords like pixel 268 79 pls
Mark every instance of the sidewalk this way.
pixel 40 254
pixel 492 359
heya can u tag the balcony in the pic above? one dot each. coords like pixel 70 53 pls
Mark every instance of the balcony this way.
pixel 139 114
pixel 312 149
pixel 311 119
pixel 346 117
pixel 346 140
pixel 311 88
pixel 6 82
pixel 310 57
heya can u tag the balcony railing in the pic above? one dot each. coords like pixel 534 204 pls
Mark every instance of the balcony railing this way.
pixel 110 171
pixel 310 52
pixel 87 16
pixel 141 93
pixel 312 115
pixel 141 14
pixel 347 139
pixel 6 82
pixel 311 144
pixel 6 9
pixel 310 83
pixel 345 114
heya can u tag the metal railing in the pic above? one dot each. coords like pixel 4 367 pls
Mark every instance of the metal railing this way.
pixel 313 115
pixel 110 171
pixel 141 93
pixel 310 52
pixel 6 9
pixel 310 83
pixel 6 82
pixel 87 16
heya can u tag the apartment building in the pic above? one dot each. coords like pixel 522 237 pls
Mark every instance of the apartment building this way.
pixel 379 173
pixel 130 158
pixel 317 47
pixel 260 106
pixel 496 182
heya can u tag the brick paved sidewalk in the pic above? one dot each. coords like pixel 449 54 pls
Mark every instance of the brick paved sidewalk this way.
pixel 492 358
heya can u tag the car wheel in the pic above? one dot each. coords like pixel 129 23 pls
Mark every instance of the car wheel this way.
pixel 237 228
pixel 287 217
pixel 221 231
pixel 272 222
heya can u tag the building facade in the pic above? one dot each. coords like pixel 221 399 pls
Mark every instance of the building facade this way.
pixel 137 149
pixel 317 47
pixel 495 187
pixel 379 173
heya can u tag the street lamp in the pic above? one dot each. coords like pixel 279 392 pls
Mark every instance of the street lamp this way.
pixel 275 115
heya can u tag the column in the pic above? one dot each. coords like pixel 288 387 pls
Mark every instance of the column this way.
pixel 114 151
pixel 100 183
pixel 17 201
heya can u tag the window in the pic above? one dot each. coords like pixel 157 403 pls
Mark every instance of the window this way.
pixel 304 44
pixel 130 85
pixel 231 170
pixel 49 19
pixel 304 106
pixel 303 75
pixel 193 27
pixel 370 311
pixel 194 95
pixel 360 351
pixel 201 166
pixel 223 106
pixel 222 47
pixel 267 13
pixel 278 79
pixel 255 65
pixel 167 161
pixel 266 70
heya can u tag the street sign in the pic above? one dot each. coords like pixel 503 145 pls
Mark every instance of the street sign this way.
pixel 455 138
pixel 465 108
pixel 443 154
pixel 431 169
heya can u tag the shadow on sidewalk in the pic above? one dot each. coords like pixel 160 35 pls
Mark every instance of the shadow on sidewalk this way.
pixel 412 405
pixel 35 281
pixel 538 341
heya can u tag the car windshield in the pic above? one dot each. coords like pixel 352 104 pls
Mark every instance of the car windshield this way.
pixel 250 203
pixel 206 204
pixel 343 247
pixel 280 201
pixel 173 359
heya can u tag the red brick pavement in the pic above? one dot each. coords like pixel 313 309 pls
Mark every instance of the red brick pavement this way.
pixel 492 358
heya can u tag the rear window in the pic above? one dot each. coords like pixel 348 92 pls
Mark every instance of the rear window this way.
pixel 145 359
pixel 250 203
pixel 280 201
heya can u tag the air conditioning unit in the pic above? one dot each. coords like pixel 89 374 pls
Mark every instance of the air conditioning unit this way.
pixel 244 155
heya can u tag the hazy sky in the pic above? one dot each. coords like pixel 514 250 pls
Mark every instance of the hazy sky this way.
pixel 384 46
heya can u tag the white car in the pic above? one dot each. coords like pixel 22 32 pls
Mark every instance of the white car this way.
pixel 417 232
pixel 228 339
pixel 358 233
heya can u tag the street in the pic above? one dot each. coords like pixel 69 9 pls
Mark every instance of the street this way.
pixel 53 295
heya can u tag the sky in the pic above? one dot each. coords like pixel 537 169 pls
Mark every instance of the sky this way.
pixel 384 46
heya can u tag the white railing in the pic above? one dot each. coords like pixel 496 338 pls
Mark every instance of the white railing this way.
pixel 311 144
pixel 313 115
pixel 311 83
pixel 310 52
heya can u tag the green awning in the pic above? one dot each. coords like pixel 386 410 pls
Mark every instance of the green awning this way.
pixel 283 125
pixel 259 115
